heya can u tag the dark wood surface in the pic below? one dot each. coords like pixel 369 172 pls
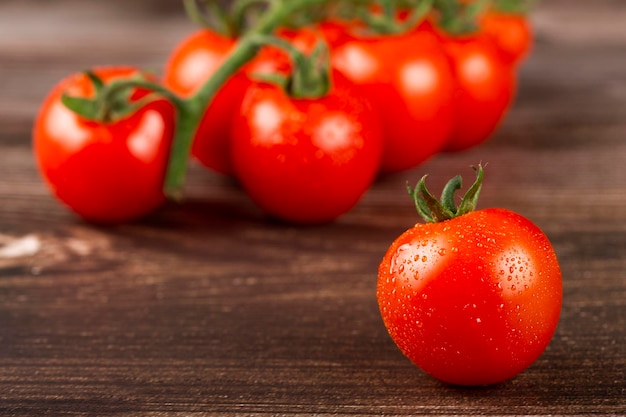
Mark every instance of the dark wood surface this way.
pixel 208 308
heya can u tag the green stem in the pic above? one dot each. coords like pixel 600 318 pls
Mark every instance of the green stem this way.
pixel 190 113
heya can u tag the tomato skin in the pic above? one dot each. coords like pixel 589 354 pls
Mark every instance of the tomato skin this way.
pixel 306 160
pixel 473 300
pixel 410 80
pixel 190 65
pixel 105 172
pixel 512 34
pixel 485 89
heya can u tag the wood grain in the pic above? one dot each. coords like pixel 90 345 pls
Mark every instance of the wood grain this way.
pixel 208 308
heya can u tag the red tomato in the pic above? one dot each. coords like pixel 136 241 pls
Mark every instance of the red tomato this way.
pixel 105 172
pixel 306 160
pixel 410 80
pixel 511 33
pixel 473 300
pixel 485 88
pixel 191 64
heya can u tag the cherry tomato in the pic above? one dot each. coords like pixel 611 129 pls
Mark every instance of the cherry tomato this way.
pixel 190 65
pixel 485 88
pixel 105 172
pixel 473 300
pixel 306 160
pixel 410 80
pixel 511 33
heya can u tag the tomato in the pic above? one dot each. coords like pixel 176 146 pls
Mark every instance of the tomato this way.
pixel 511 33
pixel 105 172
pixel 485 88
pixel 306 160
pixel 472 300
pixel 410 80
pixel 190 65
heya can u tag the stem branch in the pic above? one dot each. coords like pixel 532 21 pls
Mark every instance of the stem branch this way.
pixel 191 111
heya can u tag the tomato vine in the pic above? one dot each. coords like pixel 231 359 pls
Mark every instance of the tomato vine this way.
pixel 252 25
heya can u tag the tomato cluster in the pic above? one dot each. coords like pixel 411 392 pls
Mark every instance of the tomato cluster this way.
pixel 304 129
pixel 305 110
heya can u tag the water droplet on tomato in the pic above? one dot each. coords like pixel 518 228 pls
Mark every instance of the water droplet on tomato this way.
pixel 424 258
pixel 442 251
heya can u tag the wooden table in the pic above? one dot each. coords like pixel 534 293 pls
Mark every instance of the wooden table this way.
pixel 208 308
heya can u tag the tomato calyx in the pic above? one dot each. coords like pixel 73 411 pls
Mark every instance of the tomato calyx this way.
pixel 394 17
pixel 513 6
pixel 434 210
pixel 110 103
pixel 231 22
pixel 458 17
pixel 115 100
pixel 310 76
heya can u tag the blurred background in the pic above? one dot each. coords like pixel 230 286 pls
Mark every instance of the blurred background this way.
pixel 42 41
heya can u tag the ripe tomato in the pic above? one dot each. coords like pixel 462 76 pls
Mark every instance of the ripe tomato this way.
pixel 472 300
pixel 410 80
pixel 105 172
pixel 485 88
pixel 190 65
pixel 511 33
pixel 306 160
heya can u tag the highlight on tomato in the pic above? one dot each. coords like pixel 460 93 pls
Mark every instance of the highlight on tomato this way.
pixel 106 157
pixel 472 297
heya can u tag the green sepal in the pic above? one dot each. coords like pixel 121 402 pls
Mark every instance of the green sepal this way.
pixel 470 199
pixel 84 107
pixel 433 210
pixel 87 108
pixel 447 195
